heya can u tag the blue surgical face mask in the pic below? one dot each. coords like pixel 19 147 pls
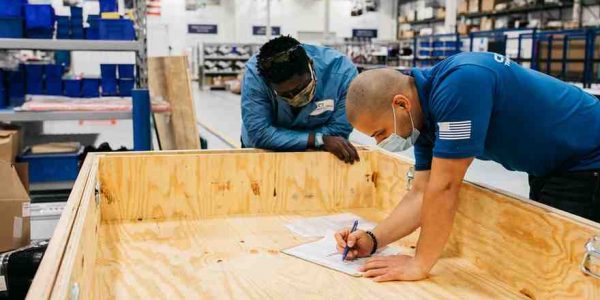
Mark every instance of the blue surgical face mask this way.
pixel 396 143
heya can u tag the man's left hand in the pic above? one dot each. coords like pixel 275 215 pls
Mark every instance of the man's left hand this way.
pixel 395 267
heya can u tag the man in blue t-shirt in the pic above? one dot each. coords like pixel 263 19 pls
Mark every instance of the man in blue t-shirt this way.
pixel 472 105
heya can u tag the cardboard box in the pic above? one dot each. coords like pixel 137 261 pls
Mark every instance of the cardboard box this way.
pixel 462 7
pixel 406 34
pixel 14 209
pixel 473 6
pixel 10 144
pixel 486 24
pixel 487 5
pixel 440 13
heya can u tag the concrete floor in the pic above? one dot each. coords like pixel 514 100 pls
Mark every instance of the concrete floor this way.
pixel 219 112
pixel 219 121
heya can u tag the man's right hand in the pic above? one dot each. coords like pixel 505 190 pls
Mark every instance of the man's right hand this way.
pixel 340 147
pixel 359 241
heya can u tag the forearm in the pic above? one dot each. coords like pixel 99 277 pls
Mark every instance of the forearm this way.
pixel 403 220
pixel 438 210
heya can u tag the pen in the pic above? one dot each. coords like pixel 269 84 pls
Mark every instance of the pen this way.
pixel 346 249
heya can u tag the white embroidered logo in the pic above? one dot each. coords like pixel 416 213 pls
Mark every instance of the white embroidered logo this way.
pixel 455 130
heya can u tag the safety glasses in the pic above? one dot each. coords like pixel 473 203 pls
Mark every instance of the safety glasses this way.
pixel 280 57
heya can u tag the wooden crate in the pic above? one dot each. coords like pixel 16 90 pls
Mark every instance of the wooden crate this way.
pixel 210 224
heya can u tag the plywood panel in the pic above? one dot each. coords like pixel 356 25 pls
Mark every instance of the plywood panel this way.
pixel 239 258
pixel 49 267
pixel 80 253
pixel 533 249
pixel 200 185
pixel 168 79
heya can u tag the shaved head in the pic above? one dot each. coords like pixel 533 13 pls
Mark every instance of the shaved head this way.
pixel 372 91
pixel 370 99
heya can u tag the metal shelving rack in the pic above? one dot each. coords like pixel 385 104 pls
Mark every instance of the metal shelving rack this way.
pixel 34 119
pixel 203 74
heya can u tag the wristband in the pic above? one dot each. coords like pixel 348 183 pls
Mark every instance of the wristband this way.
pixel 374 242
pixel 318 140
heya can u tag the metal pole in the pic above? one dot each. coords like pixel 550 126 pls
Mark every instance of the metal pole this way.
pixel 142 140
pixel 450 19
pixel 268 29
pixel 326 21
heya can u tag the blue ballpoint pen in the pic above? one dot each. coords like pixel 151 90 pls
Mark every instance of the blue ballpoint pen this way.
pixel 346 249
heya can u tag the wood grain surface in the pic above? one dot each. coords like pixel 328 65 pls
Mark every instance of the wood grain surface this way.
pixel 240 258
pixel 168 80
pixel 193 186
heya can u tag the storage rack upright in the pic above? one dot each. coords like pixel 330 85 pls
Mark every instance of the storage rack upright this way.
pixel 33 120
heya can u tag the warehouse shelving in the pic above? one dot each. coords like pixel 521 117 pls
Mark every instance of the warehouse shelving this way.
pixel 31 118
pixel 82 45
pixel 205 75
pixel 517 10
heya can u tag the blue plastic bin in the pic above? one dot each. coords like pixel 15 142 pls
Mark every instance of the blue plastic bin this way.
pixel 34 87
pixel 54 71
pixel 3 102
pixel 62 20
pixel 76 12
pixel 125 86
pixel 72 87
pixel 54 86
pixel 51 167
pixel 92 33
pixel 62 58
pixel 77 33
pixel 39 16
pixel 119 29
pixel 108 71
pixel 91 87
pixel 125 70
pixel 16 86
pixel 34 74
pixel 109 86
pixel 11 27
pixel 11 8
pixel 108 6
pixel 39 33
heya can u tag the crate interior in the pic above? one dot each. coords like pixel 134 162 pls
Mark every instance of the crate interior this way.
pixel 211 225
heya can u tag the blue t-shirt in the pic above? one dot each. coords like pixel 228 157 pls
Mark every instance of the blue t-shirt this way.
pixel 486 106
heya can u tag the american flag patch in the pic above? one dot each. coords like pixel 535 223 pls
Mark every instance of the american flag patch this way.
pixel 455 130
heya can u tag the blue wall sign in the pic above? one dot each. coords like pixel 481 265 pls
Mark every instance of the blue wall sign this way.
pixel 364 33
pixel 262 30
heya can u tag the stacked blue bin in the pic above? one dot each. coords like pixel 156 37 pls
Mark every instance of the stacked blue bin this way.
pixel 116 29
pixel 90 87
pixel 34 74
pixel 63 30
pixel 126 79
pixel 93 31
pixel 3 102
pixel 11 19
pixel 39 21
pixel 16 86
pixel 53 74
pixel 72 87
pixel 108 78
pixel 108 6
pixel 76 23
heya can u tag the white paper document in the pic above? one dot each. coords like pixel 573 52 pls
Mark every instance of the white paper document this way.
pixel 319 226
pixel 323 252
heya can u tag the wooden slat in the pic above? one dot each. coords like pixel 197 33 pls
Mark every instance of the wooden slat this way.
pixel 49 267
pixel 80 253
pixel 168 79
pixel 200 185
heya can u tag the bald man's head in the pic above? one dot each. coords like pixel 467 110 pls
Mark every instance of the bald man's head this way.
pixel 371 96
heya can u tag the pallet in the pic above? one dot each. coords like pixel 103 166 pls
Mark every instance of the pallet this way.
pixel 210 224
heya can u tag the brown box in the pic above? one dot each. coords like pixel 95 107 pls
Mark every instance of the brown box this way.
pixel 10 143
pixel 14 209
pixel 473 6
pixel 440 13
pixel 487 5
pixel 487 24
pixel 405 34
pixel 462 7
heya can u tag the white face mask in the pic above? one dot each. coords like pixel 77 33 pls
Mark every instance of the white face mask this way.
pixel 396 143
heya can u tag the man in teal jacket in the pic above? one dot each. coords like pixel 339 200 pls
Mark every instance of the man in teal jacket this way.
pixel 293 99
